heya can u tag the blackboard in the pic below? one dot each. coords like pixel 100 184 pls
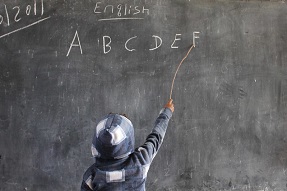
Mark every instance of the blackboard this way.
pixel 65 64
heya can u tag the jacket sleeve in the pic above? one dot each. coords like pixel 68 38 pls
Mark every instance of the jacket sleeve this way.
pixel 154 140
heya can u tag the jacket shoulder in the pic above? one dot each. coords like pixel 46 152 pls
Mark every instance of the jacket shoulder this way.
pixel 88 177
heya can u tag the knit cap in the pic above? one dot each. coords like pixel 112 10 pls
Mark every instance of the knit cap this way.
pixel 113 138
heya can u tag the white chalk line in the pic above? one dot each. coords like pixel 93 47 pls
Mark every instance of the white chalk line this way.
pixel 112 19
pixel 25 27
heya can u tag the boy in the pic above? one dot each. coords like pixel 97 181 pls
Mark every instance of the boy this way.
pixel 118 165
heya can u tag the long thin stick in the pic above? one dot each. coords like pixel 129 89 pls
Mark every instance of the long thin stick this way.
pixel 171 89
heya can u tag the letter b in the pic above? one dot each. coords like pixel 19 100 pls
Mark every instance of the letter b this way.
pixel 106 46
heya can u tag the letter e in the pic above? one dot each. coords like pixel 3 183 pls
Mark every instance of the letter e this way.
pixel 96 7
pixel 175 39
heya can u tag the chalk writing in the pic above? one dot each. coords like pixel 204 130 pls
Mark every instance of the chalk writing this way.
pixel 120 12
pixel 195 35
pixel 12 15
pixel 175 39
pixel 73 43
pixel 127 43
pixel 107 43
pixel 156 42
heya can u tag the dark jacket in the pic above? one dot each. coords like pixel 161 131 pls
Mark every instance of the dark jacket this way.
pixel 118 165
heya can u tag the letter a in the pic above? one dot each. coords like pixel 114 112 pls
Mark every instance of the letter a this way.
pixel 72 44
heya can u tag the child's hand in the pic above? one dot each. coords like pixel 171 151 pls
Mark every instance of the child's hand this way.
pixel 170 105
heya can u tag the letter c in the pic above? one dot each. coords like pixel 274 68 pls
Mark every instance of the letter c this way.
pixel 127 43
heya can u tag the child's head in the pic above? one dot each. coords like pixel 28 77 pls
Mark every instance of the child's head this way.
pixel 113 138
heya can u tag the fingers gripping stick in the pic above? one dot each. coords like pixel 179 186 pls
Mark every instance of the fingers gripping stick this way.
pixel 170 105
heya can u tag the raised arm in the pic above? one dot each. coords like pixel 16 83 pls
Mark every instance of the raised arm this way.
pixel 154 140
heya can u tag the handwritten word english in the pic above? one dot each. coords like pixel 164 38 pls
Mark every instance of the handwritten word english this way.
pixel 120 11
pixel 107 43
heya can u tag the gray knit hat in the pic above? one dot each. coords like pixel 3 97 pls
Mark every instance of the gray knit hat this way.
pixel 113 138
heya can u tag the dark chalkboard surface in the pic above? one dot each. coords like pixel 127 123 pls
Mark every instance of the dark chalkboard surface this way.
pixel 65 64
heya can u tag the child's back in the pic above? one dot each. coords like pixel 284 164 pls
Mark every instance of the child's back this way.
pixel 118 166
